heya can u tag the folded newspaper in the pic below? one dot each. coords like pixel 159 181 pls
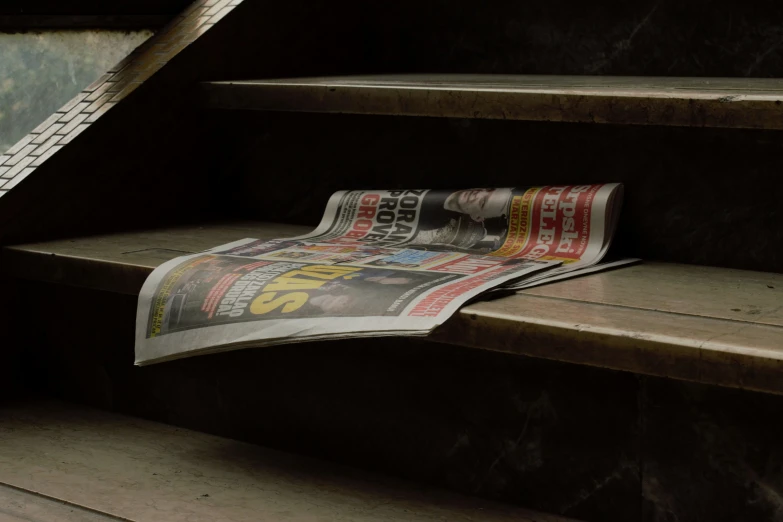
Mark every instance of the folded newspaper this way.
pixel 381 262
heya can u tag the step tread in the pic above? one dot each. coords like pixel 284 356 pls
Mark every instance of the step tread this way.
pixel 711 325
pixel 145 471
pixel 18 505
pixel 698 102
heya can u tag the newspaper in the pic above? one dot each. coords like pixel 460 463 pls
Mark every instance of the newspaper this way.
pixel 381 262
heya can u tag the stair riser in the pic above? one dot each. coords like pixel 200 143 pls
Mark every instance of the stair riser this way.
pixel 692 195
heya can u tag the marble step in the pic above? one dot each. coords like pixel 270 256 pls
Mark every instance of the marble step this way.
pixel 709 325
pixel 751 103
pixel 62 463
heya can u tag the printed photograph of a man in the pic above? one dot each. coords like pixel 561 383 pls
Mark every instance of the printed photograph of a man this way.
pixel 472 220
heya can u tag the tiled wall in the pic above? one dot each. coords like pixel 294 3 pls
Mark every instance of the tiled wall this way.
pixel 88 106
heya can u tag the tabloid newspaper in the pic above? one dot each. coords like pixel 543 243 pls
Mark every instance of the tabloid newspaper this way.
pixel 381 262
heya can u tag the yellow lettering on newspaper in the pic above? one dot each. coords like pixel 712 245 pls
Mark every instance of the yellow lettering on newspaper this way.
pixel 299 279
pixel 268 301
pixel 308 278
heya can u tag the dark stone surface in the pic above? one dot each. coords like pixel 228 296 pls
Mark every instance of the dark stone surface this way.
pixel 646 38
pixel 12 375
pixel 702 196
pixel 512 429
pixel 711 454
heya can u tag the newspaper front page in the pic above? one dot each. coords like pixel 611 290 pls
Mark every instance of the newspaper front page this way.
pixel 381 262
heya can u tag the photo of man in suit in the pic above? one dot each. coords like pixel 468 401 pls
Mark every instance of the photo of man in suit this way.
pixel 471 220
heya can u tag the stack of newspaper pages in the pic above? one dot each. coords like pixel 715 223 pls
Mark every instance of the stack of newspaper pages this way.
pixel 381 262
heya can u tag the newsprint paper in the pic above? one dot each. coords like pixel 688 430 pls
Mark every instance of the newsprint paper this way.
pixel 381 262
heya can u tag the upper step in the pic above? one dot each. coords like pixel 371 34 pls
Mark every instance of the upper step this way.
pixel 692 102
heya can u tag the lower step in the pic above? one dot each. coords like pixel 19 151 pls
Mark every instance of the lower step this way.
pixel 71 463
pixel 19 505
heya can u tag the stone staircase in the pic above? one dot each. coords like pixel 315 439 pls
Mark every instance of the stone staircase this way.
pixel 649 393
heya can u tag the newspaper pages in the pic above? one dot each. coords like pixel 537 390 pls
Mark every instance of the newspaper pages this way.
pixel 381 262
